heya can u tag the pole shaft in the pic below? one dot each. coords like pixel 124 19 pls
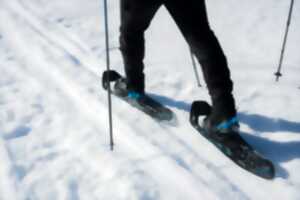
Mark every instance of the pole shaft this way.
pixel 278 73
pixel 108 69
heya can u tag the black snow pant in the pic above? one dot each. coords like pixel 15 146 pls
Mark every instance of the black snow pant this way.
pixel 191 18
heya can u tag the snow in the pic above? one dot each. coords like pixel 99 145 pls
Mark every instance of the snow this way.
pixel 53 111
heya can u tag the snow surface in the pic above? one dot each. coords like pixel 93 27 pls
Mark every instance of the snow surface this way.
pixel 53 111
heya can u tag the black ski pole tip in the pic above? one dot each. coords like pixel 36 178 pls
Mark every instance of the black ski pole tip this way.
pixel 278 75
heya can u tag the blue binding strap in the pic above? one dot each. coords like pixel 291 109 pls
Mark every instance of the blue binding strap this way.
pixel 134 95
pixel 227 124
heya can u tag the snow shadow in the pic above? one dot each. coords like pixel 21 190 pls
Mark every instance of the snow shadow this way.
pixel 267 124
pixel 74 190
pixel 73 59
pixel 256 122
pixel 180 105
pixel 20 131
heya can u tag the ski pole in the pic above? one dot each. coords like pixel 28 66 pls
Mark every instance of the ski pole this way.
pixel 108 69
pixel 195 68
pixel 278 73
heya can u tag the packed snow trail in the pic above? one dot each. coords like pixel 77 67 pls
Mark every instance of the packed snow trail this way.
pixel 53 111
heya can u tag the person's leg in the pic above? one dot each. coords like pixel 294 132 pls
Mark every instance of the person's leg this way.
pixel 191 18
pixel 136 16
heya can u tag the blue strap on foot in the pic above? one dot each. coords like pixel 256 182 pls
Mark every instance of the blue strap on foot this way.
pixel 228 124
pixel 134 95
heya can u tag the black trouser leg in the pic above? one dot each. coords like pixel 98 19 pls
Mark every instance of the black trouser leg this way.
pixel 191 18
pixel 136 16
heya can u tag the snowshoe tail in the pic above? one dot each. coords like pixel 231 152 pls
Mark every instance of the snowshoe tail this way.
pixel 109 76
pixel 199 108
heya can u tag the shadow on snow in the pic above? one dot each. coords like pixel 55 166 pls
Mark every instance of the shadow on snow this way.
pixel 256 122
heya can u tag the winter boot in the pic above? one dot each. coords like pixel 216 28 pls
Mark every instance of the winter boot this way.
pixel 222 127
pixel 142 101
pixel 122 89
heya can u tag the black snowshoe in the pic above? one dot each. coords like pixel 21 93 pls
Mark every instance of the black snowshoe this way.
pixel 227 139
pixel 138 100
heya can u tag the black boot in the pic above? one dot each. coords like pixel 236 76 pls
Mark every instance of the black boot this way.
pixel 223 109
pixel 140 100
pixel 222 126
pixel 123 89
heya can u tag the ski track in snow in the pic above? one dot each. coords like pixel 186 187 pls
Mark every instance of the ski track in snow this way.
pixel 59 76
pixel 59 80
